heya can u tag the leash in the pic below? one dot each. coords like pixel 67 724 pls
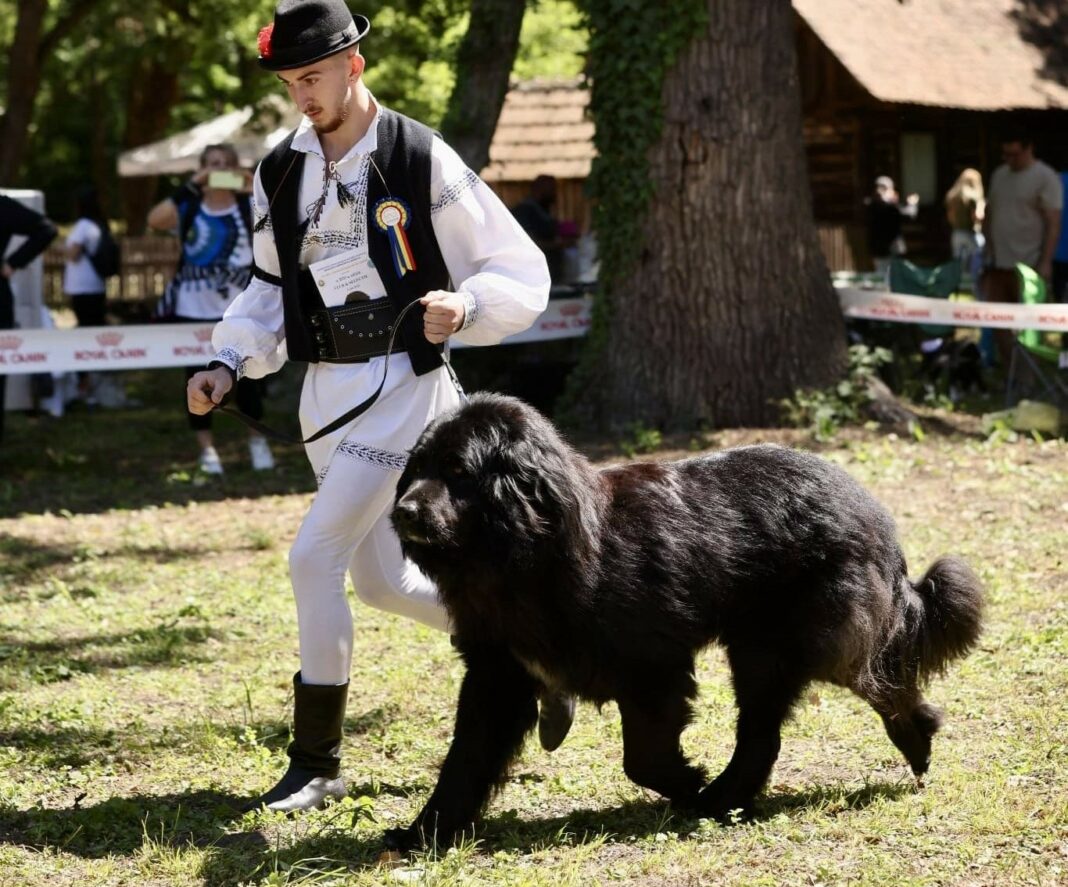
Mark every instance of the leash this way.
pixel 356 411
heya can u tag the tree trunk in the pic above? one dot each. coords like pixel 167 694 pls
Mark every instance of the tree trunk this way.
pixel 23 81
pixel 152 94
pixel 728 307
pixel 483 65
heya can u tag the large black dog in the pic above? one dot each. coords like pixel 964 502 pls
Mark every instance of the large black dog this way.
pixel 606 583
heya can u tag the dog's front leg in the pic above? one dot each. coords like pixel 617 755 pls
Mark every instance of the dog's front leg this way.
pixel 497 708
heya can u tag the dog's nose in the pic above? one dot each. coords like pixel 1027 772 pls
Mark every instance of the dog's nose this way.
pixel 406 510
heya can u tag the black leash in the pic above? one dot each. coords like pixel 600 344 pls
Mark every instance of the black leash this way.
pixel 355 412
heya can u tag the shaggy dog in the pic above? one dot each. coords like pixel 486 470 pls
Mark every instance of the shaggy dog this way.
pixel 605 584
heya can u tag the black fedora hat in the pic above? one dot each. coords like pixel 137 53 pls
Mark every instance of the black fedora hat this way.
pixel 305 31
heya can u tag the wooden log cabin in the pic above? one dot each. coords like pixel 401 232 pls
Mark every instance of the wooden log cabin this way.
pixel 914 89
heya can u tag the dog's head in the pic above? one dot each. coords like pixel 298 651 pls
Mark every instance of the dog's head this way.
pixel 492 482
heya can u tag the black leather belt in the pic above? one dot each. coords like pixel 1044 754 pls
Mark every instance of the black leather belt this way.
pixel 355 331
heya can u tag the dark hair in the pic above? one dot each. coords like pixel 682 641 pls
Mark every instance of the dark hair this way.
pixel 87 204
pixel 1019 134
pixel 226 148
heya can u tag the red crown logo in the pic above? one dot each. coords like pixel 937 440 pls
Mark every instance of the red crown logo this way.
pixel 9 343
pixel 203 334
pixel 571 310
pixel 109 339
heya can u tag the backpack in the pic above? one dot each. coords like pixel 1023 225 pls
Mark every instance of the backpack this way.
pixel 107 258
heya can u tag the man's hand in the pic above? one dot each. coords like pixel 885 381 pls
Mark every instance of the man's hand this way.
pixel 6 270
pixel 444 315
pixel 206 390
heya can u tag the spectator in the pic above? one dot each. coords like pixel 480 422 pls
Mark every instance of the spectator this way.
pixel 212 215
pixel 84 287
pixel 885 212
pixel 39 232
pixel 965 206
pixel 1060 268
pixel 1022 224
pixel 534 214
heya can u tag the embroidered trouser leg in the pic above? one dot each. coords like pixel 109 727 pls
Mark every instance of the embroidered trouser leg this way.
pixel 347 523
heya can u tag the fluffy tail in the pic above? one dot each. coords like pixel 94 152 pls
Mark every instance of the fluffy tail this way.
pixel 944 615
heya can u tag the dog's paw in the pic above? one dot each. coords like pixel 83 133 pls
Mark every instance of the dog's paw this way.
pixel 402 841
pixel 714 804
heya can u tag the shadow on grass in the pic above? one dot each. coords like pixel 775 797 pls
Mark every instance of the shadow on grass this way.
pixel 169 645
pixel 205 820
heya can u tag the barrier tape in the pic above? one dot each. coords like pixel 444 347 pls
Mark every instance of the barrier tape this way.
pixel 189 344
pixel 899 308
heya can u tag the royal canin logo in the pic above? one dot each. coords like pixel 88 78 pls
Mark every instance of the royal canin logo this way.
pixel 109 340
pixel 203 335
pixel 571 310
pixel 10 343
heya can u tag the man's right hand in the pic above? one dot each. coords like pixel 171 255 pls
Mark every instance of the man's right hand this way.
pixel 207 389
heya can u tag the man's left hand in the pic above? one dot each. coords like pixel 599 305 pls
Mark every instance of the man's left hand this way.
pixel 444 315
pixel 6 270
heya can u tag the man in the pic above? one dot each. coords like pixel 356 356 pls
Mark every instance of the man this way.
pixel 534 213
pixel 1022 224
pixel 39 232
pixel 359 213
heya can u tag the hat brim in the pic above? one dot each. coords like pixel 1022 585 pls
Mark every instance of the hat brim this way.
pixel 309 53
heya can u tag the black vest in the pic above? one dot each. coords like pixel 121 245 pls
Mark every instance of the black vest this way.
pixel 403 159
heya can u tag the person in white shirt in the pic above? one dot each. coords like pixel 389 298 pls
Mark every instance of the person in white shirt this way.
pixel 214 225
pixel 401 220
pixel 85 288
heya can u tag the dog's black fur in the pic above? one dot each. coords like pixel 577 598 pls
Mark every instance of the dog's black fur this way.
pixel 605 584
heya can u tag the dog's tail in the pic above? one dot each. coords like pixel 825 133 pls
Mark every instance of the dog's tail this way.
pixel 943 615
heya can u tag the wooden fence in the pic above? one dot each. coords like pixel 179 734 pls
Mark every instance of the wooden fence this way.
pixel 147 264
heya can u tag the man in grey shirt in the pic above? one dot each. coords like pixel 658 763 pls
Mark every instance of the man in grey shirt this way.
pixel 1022 224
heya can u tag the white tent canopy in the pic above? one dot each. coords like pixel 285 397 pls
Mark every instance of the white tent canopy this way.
pixel 252 130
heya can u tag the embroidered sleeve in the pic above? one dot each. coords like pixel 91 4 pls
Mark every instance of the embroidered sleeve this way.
pixel 501 274
pixel 454 190
pixel 233 359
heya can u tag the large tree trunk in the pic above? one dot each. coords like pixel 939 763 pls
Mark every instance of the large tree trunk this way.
pixel 483 65
pixel 153 93
pixel 23 81
pixel 28 54
pixel 728 307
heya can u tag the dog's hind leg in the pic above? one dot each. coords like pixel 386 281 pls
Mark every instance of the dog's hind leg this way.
pixel 765 689
pixel 497 709
pixel 652 755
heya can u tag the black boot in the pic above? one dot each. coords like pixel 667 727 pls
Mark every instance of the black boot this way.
pixel 314 773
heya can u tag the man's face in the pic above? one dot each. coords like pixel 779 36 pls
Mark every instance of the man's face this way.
pixel 1016 155
pixel 322 91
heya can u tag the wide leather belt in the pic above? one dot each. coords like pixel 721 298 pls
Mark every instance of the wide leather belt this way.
pixel 355 331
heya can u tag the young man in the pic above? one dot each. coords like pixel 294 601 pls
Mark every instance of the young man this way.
pixel 1021 224
pixel 398 215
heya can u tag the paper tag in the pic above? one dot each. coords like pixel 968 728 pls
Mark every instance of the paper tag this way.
pixel 340 275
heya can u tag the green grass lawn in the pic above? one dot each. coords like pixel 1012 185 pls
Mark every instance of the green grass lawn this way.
pixel 148 638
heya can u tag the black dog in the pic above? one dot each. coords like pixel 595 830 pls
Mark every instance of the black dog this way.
pixel 605 584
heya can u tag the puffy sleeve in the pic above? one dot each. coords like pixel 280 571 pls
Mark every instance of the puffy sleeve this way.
pixel 250 337
pixel 493 263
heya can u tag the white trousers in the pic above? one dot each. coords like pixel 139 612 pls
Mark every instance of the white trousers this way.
pixel 347 528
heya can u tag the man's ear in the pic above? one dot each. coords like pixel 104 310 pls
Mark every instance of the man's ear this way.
pixel 357 64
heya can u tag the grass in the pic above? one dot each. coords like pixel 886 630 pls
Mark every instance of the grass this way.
pixel 147 641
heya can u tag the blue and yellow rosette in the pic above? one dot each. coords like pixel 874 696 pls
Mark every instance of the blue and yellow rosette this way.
pixel 392 216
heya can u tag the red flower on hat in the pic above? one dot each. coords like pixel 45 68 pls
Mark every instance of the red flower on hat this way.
pixel 264 41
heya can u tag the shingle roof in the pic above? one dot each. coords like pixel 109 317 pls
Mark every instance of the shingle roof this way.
pixel 543 128
pixel 952 53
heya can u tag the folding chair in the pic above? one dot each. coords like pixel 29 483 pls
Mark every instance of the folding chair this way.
pixel 1029 350
pixel 939 282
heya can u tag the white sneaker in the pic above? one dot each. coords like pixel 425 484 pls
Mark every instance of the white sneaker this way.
pixel 260 453
pixel 209 461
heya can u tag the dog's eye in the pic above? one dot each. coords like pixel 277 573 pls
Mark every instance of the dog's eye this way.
pixel 456 469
